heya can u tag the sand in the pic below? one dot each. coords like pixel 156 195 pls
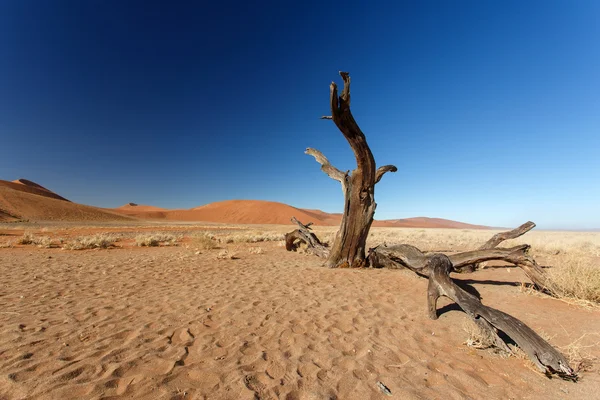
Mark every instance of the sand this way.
pixel 23 199
pixel 27 186
pixel 167 323
pixel 270 212
pixel 18 205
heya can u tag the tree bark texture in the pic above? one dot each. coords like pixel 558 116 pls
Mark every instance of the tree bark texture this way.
pixel 349 246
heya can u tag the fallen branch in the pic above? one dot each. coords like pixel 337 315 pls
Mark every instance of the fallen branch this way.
pixel 304 234
pixel 544 356
pixel 496 240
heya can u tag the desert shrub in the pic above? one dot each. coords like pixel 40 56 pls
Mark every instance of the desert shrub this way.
pixel 42 241
pixel 155 239
pixel 39 241
pixel 204 240
pixel 98 241
pixel 27 238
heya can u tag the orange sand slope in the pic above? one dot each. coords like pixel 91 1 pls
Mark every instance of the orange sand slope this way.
pixel 270 212
pixel 23 199
pixel 31 204
pixel 24 185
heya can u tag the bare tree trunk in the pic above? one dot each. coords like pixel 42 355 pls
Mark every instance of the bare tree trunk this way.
pixel 348 249
pixel 349 246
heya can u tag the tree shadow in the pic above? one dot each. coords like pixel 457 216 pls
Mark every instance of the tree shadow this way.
pixel 484 282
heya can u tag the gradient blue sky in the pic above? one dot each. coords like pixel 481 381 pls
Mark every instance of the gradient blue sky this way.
pixel 490 109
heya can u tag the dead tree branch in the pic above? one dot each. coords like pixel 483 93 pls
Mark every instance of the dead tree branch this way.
pixel 382 170
pixel 496 240
pixel 304 234
pixel 544 356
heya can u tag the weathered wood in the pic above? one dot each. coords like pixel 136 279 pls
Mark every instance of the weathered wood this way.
pixel 542 354
pixel 496 240
pixel 304 234
pixel 512 234
pixel 349 246
pixel 407 256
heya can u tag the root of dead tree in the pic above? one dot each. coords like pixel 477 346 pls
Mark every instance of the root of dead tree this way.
pixel 437 268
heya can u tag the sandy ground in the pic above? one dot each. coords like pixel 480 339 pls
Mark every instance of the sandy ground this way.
pixel 167 323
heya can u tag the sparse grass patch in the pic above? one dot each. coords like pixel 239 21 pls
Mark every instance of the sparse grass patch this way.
pixel 43 242
pixel 253 237
pixel 576 278
pixel 226 255
pixel 6 245
pixel 39 241
pixel 98 241
pixel 578 353
pixel 204 241
pixel 477 339
pixel 155 239
pixel 27 238
pixel 256 250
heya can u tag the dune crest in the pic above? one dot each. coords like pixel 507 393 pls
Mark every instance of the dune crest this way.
pixel 27 186
pixel 30 204
pixel 271 212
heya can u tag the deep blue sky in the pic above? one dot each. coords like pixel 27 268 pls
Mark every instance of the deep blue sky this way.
pixel 490 109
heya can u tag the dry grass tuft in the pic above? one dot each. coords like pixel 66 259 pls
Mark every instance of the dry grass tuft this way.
pixel 155 239
pixel 39 241
pixel 578 354
pixel 577 279
pixel 253 237
pixel 226 255
pixel 6 245
pixel 478 339
pixel 256 250
pixel 204 241
pixel 27 238
pixel 98 241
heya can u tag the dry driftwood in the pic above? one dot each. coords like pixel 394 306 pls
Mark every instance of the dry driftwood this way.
pixel 348 249
pixel 437 267
pixel 349 246
pixel 495 241
pixel 544 356
pixel 304 234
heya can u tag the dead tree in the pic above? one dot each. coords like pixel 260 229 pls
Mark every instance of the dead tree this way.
pixel 349 246
pixel 348 249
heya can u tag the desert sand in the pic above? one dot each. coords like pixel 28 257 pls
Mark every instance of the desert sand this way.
pixel 26 200
pixel 246 320
pixel 180 322
pixel 271 212
pixel 23 199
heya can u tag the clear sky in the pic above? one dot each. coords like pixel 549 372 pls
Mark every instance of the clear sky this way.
pixel 489 109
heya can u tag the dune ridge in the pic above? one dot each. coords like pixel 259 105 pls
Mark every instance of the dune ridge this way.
pixel 270 212
pixel 18 204
pixel 27 186
pixel 24 199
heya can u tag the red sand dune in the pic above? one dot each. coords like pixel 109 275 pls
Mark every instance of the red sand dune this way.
pixel 24 185
pixel 270 212
pixel 233 212
pixel 23 199
pixel 29 201
pixel 425 222
pixel 139 207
